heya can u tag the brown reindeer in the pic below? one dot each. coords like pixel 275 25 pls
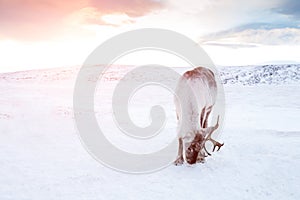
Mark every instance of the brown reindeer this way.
pixel 196 91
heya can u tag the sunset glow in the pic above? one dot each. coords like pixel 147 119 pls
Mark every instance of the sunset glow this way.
pixel 43 34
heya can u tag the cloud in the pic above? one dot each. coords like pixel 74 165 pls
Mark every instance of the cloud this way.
pixel 92 16
pixel 275 23
pixel 290 8
pixel 35 19
pixel 132 8
pixel 230 45
pixel 253 34
pixel 46 19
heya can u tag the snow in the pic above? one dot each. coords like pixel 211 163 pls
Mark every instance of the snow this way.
pixel 266 74
pixel 41 156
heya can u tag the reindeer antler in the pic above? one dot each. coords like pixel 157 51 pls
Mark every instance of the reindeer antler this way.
pixel 208 138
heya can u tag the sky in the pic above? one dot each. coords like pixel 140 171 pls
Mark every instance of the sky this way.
pixel 36 34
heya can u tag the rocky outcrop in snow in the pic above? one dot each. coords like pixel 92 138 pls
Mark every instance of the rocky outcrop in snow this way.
pixel 266 74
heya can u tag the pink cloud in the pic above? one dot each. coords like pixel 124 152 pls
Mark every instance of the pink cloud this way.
pixel 40 19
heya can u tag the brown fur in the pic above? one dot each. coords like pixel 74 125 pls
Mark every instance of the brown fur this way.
pixel 193 150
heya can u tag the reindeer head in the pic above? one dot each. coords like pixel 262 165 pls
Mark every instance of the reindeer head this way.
pixel 197 149
pixel 191 153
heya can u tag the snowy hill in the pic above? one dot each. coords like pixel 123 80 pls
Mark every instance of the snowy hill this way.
pixel 244 75
pixel 266 74
pixel 41 156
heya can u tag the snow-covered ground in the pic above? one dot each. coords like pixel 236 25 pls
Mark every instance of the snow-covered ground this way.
pixel 41 156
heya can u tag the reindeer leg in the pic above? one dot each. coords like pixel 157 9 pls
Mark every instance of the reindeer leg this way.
pixel 201 157
pixel 179 160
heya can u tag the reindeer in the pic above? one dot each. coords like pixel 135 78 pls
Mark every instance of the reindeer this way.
pixel 194 100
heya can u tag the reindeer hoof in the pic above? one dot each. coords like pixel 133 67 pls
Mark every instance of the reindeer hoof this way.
pixel 178 161
pixel 200 160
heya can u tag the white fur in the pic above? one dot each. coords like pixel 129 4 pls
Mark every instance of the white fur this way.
pixel 200 83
